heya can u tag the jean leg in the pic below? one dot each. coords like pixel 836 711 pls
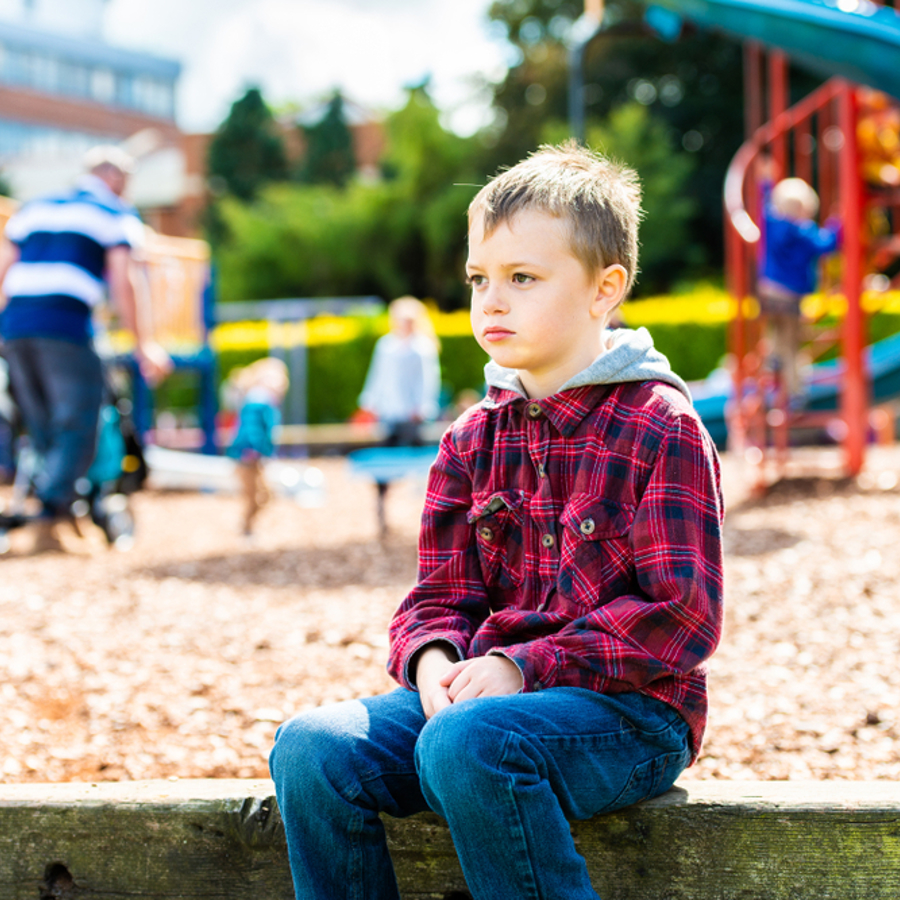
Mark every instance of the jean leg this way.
pixel 509 772
pixel 335 769
pixel 26 381
pixel 72 385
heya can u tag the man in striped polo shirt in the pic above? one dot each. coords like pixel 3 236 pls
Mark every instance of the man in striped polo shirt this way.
pixel 59 258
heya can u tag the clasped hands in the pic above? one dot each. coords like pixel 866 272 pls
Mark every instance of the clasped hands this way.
pixel 442 681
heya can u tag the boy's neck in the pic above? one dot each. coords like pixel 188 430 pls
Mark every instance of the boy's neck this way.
pixel 539 386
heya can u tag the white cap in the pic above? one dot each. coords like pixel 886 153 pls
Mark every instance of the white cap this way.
pixel 109 155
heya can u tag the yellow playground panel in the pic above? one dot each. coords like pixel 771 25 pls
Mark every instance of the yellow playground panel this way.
pixel 178 275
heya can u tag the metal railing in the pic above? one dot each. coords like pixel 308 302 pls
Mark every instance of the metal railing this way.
pixel 814 140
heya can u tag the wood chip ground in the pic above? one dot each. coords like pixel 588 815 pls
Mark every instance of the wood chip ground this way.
pixel 180 657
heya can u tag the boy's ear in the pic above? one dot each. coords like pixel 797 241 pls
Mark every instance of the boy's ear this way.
pixel 612 283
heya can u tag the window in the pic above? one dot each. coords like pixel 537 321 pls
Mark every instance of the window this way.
pixel 152 96
pixel 103 85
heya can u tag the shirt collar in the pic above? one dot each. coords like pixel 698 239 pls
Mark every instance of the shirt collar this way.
pixel 565 410
pixel 99 188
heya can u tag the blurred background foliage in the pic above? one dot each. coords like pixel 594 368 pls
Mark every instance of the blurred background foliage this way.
pixel 688 327
pixel 672 109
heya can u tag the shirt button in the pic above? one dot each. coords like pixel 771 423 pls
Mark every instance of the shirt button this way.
pixel 534 410
pixel 548 540
pixel 541 470
pixel 587 526
pixel 486 533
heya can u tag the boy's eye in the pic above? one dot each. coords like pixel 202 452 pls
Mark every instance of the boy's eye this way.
pixel 522 278
pixel 475 280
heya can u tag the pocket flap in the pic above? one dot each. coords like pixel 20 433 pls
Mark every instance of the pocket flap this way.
pixel 594 518
pixel 486 504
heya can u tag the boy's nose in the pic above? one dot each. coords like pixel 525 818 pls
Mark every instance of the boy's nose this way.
pixel 493 300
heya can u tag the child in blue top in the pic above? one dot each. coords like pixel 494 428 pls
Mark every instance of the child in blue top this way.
pixel 262 386
pixel 792 244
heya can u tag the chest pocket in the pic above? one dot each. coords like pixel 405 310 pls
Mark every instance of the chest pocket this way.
pixel 596 560
pixel 497 519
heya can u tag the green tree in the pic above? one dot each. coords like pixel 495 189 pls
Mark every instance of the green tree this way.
pixel 433 174
pixel 403 235
pixel 247 151
pixel 306 241
pixel 329 157
pixel 693 84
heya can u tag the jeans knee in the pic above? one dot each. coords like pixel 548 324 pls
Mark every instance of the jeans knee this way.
pixel 300 754
pixel 291 739
pixel 459 752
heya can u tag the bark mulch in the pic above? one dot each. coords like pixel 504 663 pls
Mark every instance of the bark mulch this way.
pixel 180 657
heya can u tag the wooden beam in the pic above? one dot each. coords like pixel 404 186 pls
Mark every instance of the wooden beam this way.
pixel 224 840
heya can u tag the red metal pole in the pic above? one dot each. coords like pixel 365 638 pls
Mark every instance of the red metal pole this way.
pixel 778 103
pixel 735 273
pixel 826 158
pixel 854 390
pixel 803 144
pixel 754 114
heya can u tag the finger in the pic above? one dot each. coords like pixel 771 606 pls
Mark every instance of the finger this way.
pixel 437 701
pixel 463 686
pixel 450 675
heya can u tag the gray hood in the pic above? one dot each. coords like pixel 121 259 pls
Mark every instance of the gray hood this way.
pixel 629 356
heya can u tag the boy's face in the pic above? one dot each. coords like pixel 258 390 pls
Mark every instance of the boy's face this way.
pixel 535 306
pixel 795 210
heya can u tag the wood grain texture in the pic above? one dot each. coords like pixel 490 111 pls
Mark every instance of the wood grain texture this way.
pixel 224 840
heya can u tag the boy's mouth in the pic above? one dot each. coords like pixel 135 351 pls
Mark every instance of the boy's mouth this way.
pixel 496 334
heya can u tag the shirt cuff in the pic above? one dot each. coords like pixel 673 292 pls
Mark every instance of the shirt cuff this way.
pixel 520 665
pixel 409 667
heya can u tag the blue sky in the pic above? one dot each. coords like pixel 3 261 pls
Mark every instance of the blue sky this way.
pixel 299 50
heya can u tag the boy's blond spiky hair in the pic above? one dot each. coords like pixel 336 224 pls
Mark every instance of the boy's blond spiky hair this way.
pixel 601 200
pixel 794 198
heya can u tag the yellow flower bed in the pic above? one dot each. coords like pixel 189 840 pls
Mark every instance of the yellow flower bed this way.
pixel 260 335
pixel 873 302
pixel 706 304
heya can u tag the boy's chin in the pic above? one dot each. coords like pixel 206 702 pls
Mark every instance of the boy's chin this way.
pixel 504 360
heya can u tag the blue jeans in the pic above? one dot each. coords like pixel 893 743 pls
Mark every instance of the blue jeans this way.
pixel 58 386
pixel 505 772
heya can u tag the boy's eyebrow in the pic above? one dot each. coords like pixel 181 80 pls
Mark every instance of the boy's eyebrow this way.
pixel 515 264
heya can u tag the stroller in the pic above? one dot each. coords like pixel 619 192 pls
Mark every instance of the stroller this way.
pixel 118 469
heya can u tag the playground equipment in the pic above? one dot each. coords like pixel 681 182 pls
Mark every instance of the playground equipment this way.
pixel 385 465
pixel 294 312
pixel 178 470
pixel 816 140
pixel 182 299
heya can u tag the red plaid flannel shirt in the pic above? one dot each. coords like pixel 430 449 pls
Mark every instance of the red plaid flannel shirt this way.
pixel 579 536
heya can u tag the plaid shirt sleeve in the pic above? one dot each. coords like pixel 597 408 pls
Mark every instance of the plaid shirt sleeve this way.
pixel 449 602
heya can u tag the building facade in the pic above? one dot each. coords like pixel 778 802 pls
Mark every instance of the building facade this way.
pixel 63 89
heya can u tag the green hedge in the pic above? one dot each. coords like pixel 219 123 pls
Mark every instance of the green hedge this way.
pixel 336 371
pixel 693 349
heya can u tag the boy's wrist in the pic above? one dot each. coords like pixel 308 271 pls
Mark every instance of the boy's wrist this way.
pixel 435 656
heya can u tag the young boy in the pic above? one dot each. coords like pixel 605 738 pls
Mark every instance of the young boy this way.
pixel 792 244
pixel 570 576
